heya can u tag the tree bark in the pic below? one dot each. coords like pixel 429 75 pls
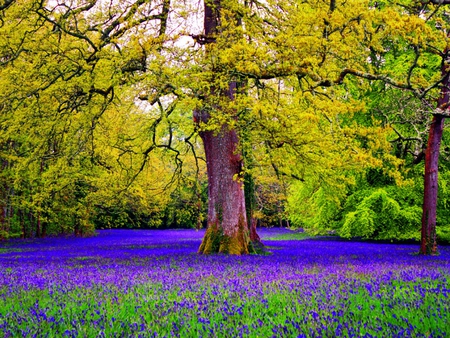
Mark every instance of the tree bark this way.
pixel 38 225
pixel 250 205
pixel 22 224
pixel 428 235
pixel 227 229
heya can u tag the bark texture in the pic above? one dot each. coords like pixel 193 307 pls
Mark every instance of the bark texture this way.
pixel 227 230
pixel 250 205
pixel 428 235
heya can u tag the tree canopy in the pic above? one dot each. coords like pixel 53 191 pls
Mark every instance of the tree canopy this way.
pixel 114 112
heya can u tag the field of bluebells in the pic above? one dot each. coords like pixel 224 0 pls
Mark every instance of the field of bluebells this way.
pixel 151 283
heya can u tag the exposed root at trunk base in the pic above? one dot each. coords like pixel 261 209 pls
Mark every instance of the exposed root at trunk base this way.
pixel 429 247
pixel 215 241
pixel 258 248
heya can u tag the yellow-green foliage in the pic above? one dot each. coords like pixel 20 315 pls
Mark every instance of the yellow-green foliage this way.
pixel 96 102
pixel 72 136
pixel 315 205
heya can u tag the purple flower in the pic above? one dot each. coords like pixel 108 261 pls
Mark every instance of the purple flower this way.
pixel 152 283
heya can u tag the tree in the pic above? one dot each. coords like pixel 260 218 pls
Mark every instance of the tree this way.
pixel 428 235
pixel 300 48
pixel 415 51
pixel 434 16
pixel 62 68
pixel 227 230
pixel 233 71
pixel 283 71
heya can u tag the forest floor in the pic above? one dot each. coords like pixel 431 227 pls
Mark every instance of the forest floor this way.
pixel 152 283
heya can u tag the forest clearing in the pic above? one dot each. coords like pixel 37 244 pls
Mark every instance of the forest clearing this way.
pixel 222 114
pixel 152 283
pixel 226 118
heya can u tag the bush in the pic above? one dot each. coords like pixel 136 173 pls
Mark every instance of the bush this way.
pixel 379 216
pixel 443 235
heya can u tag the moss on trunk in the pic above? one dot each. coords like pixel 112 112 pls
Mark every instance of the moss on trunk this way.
pixel 216 241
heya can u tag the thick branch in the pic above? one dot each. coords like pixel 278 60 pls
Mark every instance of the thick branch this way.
pixel 6 4
pixel 439 2
pixel 164 17
pixel 79 10
pixel 367 76
pixel 125 18
pixel 153 98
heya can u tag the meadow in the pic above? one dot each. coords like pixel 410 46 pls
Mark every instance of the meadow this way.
pixel 152 283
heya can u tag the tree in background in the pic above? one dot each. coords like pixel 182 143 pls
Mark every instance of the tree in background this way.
pixel 431 89
pixel 308 50
pixel 63 66
pixel 410 55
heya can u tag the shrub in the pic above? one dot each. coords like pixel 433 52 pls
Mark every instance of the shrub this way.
pixel 379 216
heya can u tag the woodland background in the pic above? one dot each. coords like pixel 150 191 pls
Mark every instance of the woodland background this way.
pixel 96 126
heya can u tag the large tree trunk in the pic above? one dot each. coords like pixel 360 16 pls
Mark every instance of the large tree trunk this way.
pixel 227 229
pixel 428 237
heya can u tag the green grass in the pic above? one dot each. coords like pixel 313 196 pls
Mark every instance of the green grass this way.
pixel 279 312
pixel 295 236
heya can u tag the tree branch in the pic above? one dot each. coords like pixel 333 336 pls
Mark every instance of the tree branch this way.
pixel 74 34
pixel 438 2
pixel 6 4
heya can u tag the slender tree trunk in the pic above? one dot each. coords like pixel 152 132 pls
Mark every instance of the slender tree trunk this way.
pixel 77 227
pixel 43 229
pixel 227 229
pixel 22 223
pixel 198 205
pixel 39 232
pixel 38 227
pixel 3 203
pixel 250 204
pixel 428 237
pixel 428 241
pixel 31 225
pixel 3 230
